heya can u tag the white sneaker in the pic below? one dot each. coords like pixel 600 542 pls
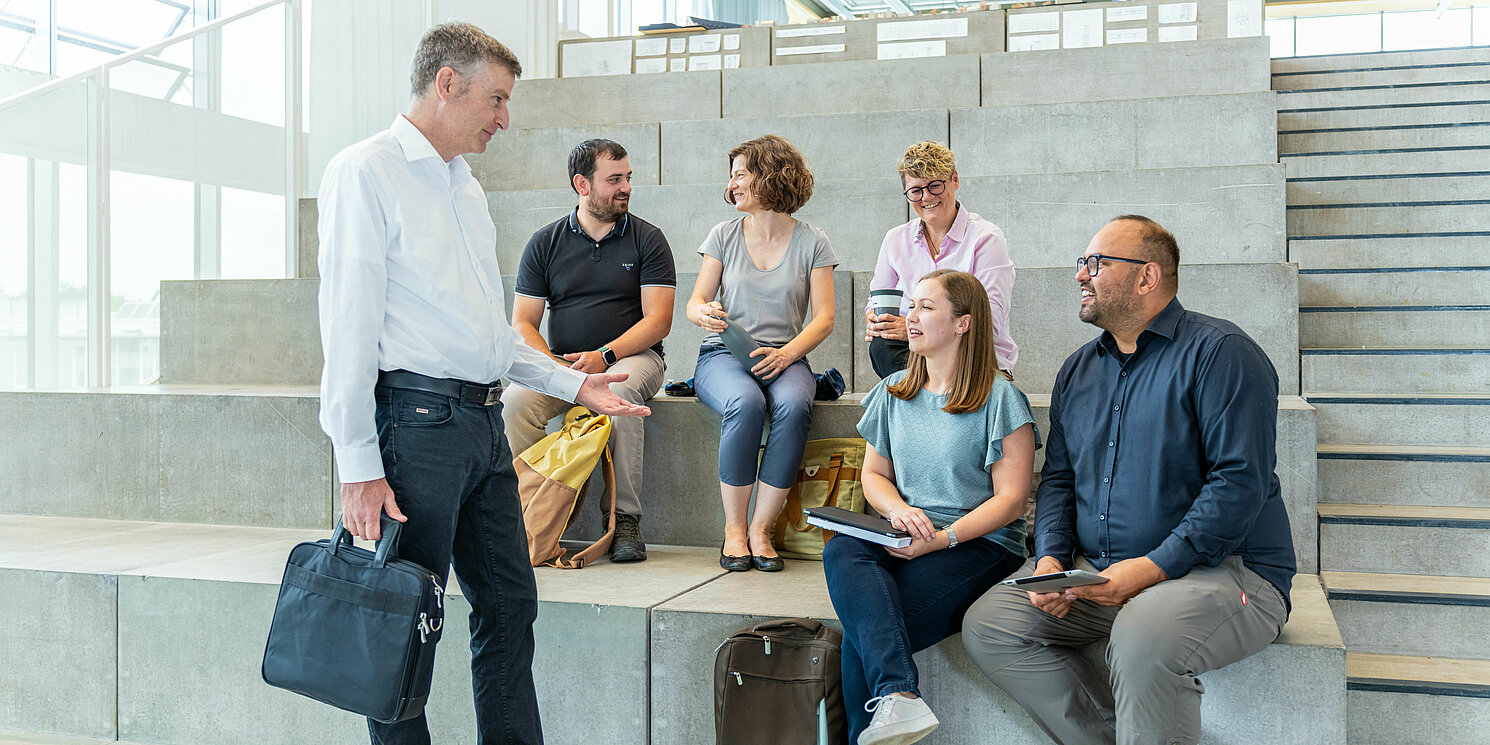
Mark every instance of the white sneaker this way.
pixel 897 721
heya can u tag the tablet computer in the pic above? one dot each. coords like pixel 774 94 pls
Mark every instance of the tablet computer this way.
pixel 1056 580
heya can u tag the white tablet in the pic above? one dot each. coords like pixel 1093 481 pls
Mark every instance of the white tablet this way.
pixel 1056 580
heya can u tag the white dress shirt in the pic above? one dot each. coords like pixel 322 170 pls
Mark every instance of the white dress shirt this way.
pixel 409 281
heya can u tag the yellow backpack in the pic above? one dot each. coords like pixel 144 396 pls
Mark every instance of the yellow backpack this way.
pixel 830 477
pixel 551 480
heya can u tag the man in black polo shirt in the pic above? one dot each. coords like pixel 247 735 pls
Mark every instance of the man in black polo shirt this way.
pixel 1159 475
pixel 608 279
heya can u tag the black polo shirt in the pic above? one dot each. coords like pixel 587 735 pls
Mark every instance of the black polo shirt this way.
pixel 593 288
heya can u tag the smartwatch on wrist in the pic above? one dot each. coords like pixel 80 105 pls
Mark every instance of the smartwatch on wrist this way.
pixel 607 355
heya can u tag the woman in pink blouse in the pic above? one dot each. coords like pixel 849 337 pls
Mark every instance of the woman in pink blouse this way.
pixel 942 235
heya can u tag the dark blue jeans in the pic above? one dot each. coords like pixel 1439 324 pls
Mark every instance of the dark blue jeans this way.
pixel 892 608
pixel 451 471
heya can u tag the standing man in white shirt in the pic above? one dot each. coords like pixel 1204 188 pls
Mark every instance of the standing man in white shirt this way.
pixel 416 342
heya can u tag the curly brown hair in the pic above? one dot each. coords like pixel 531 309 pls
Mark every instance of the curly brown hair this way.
pixel 929 160
pixel 783 182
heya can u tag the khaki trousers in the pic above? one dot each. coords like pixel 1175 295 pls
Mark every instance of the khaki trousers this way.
pixel 526 412
pixel 1157 646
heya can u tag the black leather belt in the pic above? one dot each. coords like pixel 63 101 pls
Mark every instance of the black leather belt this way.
pixel 460 390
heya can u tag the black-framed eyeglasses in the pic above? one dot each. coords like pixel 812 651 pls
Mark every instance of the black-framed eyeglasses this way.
pixel 1093 263
pixel 917 193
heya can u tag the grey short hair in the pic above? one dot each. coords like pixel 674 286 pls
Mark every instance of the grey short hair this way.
pixel 461 47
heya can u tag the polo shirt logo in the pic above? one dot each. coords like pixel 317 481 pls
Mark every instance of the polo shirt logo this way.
pixel 628 266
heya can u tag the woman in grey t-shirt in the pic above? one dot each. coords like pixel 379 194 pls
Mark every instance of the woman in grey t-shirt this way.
pixel 762 271
pixel 950 460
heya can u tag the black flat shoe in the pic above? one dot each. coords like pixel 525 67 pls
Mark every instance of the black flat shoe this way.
pixel 768 563
pixel 734 563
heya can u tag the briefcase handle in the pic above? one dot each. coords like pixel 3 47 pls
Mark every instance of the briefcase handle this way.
pixel 387 545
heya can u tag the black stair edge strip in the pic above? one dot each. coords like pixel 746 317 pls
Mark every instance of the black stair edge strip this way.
pixel 1399 400
pixel 1466 690
pixel 1384 68
pixel 1381 176
pixel 1393 351
pixel 1382 87
pixel 1396 270
pixel 1374 107
pixel 1382 128
pixel 1406 457
pixel 1411 598
pixel 1363 236
pixel 1383 205
pixel 1467 523
pixel 1387 151
pixel 1389 308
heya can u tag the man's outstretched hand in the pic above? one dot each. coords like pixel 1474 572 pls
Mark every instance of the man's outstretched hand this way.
pixel 595 395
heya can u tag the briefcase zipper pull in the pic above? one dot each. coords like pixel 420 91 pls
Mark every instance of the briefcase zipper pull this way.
pixel 423 628
pixel 767 640
pixel 739 681
pixel 439 591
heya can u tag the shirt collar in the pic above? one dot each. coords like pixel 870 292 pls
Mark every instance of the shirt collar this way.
pixel 417 147
pixel 1163 325
pixel 619 229
pixel 958 231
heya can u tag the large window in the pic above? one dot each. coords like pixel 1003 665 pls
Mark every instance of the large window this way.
pixel 1379 31
pixel 14 349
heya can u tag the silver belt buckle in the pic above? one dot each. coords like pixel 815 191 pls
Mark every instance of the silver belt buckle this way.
pixel 493 395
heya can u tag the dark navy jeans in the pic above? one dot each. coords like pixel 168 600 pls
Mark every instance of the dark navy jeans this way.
pixel 451 471
pixel 892 608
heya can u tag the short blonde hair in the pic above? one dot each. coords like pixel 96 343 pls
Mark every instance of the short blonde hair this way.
pixel 929 160
pixel 783 182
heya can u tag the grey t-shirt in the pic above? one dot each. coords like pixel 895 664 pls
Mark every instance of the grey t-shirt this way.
pixel 942 460
pixel 771 305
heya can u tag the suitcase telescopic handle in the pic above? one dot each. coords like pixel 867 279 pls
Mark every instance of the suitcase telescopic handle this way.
pixel 387 545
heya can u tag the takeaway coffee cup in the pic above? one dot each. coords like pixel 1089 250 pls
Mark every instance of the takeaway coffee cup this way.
pixel 886 301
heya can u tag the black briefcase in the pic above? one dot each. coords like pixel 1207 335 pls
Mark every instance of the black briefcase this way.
pixel 355 628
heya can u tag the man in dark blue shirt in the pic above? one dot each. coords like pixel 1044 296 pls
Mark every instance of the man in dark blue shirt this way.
pixel 1159 475
pixel 607 279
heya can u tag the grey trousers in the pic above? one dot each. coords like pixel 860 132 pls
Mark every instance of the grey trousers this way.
pixel 525 414
pixel 1157 645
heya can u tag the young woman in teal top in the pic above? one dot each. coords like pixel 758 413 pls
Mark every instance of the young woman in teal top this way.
pixel 950 460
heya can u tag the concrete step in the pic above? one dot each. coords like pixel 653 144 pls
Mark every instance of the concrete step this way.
pixel 1126 71
pixel 1397 138
pixel 1303 101
pixel 1394 699
pixel 1225 214
pixel 1371 117
pixel 1420 160
pixel 538 158
pixel 680 501
pixel 1395 370
pixel 1394 286
pixel 1448 616
pixel 645 632
pixel 1395 76
pixel 249 332
pixel 687 629
pixel 104 668
pixel 852 86
pixel 1370 220
pixel 1380 60
pixel 1394 251
pixel 1445 420
pixel 1404 475
pixel 1210 288
pixel 616 99
pixel 1404 539
pixel 1432 326
pixel 16 737
pixel 221 454
pixel 1388 189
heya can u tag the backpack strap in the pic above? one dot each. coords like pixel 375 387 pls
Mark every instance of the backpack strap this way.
pixel 600 546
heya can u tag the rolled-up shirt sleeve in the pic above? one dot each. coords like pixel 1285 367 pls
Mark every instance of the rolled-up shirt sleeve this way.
pixel 353 299
pixel 1236 403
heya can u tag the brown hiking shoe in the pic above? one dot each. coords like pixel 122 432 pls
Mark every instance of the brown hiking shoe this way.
pixel 627 545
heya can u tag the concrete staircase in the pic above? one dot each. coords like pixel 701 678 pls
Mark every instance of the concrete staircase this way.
pixel 142 540
pixel 1388 165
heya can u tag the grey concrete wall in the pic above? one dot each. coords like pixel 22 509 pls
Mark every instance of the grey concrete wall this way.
pixel 1127 71
pixel 1416 58
pixel 1423 482
pixel 1404 423
pixel 846 87
pixel 1379 718
pixel 1439 629
pixel 985 33
pixel 837 146
pixel 616 99
pixel 1395 328
pixel 1389 549
pixel 309 239
pixel 1445 113
pixel 1366 220
pixel 181 457
pixel 1395 251
pixel 527 159
pixel 240 331
pixel 1229 214
pixel 1185 132
pixel 60 668
pixel 854 214
pixel 1448 287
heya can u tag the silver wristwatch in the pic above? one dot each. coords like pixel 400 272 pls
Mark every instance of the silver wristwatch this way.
pixel 951 537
